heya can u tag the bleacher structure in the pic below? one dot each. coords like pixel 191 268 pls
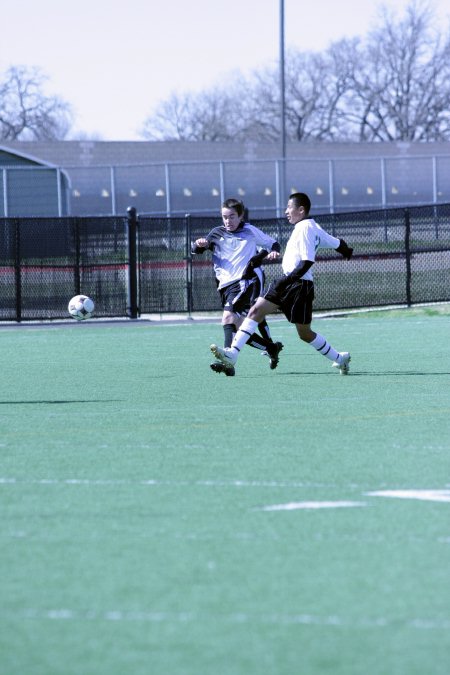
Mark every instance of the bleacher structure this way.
pixel 101 178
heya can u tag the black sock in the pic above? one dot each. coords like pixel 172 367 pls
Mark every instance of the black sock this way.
pixel 263 328
pixel 258 342
pixel 229 330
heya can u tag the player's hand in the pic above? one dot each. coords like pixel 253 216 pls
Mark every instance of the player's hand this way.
pixel 199 245
pixel 273 255
pixel 345 251
pixel 254 262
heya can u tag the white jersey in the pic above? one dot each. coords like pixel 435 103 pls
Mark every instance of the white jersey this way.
pixel 231 251
pixel 306 237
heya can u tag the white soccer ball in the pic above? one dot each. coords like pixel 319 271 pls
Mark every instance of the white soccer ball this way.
pixel 81 307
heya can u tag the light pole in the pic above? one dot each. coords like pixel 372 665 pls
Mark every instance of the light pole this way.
pixel 282 179
pixel 282 84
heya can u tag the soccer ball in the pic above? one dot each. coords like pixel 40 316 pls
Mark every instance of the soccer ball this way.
pixel 81 307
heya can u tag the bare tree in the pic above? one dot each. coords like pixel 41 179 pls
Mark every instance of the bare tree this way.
pixel 315 86
pixel 393 85
pixel 248 109
pixel 400 84
pixel 26 112
pixel 207 116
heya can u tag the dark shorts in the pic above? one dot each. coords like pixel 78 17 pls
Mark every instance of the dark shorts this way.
pixel 295 300
pixel 239 296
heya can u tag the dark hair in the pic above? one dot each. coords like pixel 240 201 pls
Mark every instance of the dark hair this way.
pixel 235 204
pixel 301 199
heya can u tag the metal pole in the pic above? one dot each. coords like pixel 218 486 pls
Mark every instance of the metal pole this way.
pixel 408 256
pixel 167 179
pixel 18 269
pixel 282 108
pixel 331 184
pixel 5 193
pixel 112 180
pixel 77 265
pixel 188 258
pixel 282 83
pixel 58 191
pixel 132 304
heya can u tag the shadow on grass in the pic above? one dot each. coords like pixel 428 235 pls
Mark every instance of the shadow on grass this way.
pixel 362 373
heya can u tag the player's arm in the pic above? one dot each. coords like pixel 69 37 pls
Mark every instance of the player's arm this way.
pixel 295 275
pixel 209 242
pixel 327 240
pixel 200 245
pixel 257 260
pixel 345 251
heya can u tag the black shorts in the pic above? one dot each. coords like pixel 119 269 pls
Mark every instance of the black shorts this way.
pixel 294 300
pixel 239 296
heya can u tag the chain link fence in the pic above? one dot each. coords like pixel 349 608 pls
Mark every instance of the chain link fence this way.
pixel 171 189
pixel 133 267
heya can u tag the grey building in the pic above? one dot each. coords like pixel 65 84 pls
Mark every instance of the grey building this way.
pixel 176 177
pixel 30 186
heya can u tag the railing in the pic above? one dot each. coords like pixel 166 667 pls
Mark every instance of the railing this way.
pixel 171 189
pixel 136 265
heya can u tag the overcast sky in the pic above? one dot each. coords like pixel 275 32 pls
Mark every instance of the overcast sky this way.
pixel 115 61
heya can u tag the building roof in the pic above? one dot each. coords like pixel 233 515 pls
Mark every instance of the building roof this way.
pixel 14 156
pixel 114 153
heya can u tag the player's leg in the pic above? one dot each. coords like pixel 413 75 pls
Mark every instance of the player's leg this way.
pixel 273 350
pixel 264 329
pixel 302 313
pixel 229 325
pixel 257 313
pixel 229 322
pixel 257 291
pixel 263 341
pixel 341 360
pixel 247 293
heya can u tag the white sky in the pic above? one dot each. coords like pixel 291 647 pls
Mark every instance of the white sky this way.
pixel 113 61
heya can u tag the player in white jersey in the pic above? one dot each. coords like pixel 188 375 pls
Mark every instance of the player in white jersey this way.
pixel 238 249
pixel 294 292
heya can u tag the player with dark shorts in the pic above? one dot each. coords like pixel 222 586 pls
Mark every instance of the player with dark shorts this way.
pixel 240 295
pixel 295 300
pixel 238 250
pixel 293 293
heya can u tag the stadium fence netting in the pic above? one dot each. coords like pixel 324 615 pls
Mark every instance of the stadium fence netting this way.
pixel 401 256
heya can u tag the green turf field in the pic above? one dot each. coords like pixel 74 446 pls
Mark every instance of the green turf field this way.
pixel 160 519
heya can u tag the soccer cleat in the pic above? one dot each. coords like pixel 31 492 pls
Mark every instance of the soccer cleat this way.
pixel 225 355
pixel 273 352
pixel 343 364
pixel 218 367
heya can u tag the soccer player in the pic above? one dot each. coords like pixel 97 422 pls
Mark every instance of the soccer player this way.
pixel 293 293
pixel 238 249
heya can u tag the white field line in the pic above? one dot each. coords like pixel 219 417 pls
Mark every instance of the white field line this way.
pixel 437 495
pixel 292 506
pixel 422 495
pixel 156 482
pixel 144 616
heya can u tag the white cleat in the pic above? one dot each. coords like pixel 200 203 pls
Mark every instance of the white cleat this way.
pixel 343 363
pixel 225 355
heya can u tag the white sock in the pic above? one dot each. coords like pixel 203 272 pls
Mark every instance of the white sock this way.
pixel 244 333
pixel 323 346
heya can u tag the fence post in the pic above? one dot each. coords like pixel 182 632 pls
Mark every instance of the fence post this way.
pixel 408 256
pixel 132 303
pixel 17 270
pixel 188 259
pixel 76 271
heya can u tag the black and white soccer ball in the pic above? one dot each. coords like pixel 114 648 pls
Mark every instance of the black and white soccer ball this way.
pixel 81 307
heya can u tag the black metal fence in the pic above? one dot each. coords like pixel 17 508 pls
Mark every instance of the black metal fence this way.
pixel 134 266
